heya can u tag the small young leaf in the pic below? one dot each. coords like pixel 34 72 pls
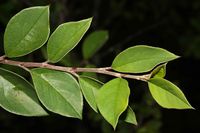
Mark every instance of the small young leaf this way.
pixel 159 71
pixel 18 96
pixel 167 94
pixel 112 100
pixel 27 31
pixel 65 38
pixel 130 116
pixel 58 91
pixel 90 88
pixel 94 42
pixel 141 58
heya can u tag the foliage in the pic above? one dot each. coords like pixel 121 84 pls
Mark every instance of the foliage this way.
pixel 139 59
pixel 60 90
pixel 94 42
pixel 65 38
pixel 28 35
pixel 17 95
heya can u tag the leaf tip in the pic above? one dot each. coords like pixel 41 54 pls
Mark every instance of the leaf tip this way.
pixel 190 107
pixel 80 117
pixel 177 56
pixel 114 126
pixel 89 20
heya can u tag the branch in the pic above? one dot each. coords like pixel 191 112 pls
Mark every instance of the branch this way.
pixel 2 57
pixel 73 70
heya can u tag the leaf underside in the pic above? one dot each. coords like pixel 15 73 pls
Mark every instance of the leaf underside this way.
pixel 58 91
pixel 130 116
pixel 90 88
pixel 167 94
pixel 18 96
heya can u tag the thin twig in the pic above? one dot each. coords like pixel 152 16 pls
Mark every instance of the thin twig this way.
pixel 73 70
pixel 2 57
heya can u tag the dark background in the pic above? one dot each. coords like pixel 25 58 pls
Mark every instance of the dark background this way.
pixel 171 24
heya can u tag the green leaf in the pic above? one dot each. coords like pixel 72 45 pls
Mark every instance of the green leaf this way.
pixel 18 96
pixel 112 100
pixel 94 42
pixel 130 116
pixel 159 71
pixel 141 58
pixel 167 94
pixel 27 31
pixel 90 89
pixel 65 38
pixel 58 91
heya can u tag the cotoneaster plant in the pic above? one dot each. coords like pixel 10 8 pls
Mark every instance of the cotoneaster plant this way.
pixel 61 89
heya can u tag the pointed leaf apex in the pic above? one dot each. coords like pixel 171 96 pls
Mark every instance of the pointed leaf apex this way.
pixel 65 38
pixel 167 94
pixel 141 58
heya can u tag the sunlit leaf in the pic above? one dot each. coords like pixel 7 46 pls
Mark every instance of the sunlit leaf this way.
pixel 167 94
pixel 58 91
pixel 65 38
pixel 27 31
pixel 112 100
pixel 18 96
pixel 90 89
pixel 141 58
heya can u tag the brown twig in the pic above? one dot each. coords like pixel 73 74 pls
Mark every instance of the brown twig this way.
pixel 73 70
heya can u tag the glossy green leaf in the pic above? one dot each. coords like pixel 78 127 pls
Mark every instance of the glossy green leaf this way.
pixel 27 31
pixel 112 100
pixel 167 94
pixel 141 58
pixel 130 116
pixel 18 96
pixel 90 89
pixel 65 38
pixel 159 71
pixel 94 42
pixel 58 91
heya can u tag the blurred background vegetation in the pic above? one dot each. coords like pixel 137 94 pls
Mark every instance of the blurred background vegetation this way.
pixel 170 24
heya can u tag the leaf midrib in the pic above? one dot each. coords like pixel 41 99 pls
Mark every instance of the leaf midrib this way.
pixel 183 100
pixel 63 46
pixel 171 58
pixel 29 30
pixel 60 95
pixel 26 111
